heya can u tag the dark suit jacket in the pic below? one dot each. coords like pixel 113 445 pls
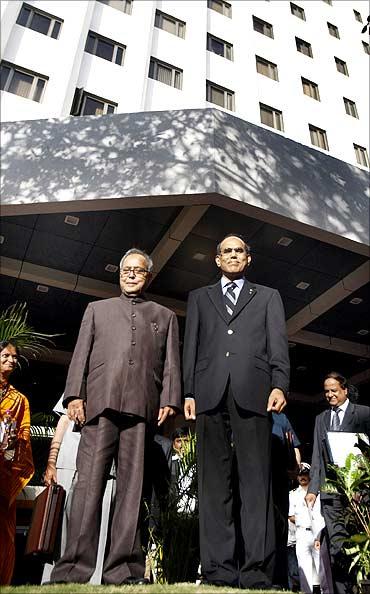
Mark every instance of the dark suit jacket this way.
pixel 250 347
pixel 126 358
pixel 356 419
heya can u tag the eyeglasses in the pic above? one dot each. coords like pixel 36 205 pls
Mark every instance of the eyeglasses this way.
pixel 237 250
pixel 135 269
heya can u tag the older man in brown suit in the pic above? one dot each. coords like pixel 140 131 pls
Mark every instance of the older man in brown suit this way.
pixel 124 377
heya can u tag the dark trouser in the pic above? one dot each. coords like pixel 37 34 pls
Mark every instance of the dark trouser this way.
pixel 123 438
pixel 251 436
pixel 333 511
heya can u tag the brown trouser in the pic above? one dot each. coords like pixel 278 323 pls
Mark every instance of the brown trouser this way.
pixel 112 436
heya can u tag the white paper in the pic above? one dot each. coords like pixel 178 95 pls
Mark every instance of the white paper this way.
pixel 342 443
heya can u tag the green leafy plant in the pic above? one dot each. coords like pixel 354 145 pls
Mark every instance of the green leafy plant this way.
pixel 174 542
pixel 352 482
pixel 14 327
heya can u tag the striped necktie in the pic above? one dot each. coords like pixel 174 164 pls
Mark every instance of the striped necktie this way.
pixel 335 422
pixel 230 298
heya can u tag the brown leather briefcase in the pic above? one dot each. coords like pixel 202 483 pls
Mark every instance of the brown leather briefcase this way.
pixel 46 520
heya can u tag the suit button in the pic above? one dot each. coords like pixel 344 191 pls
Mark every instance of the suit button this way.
pixel 230 331
pixel 133 327
pixel 130 362
pixel 133 302
pixel 227 354
pixel 133 315
pixel 133 343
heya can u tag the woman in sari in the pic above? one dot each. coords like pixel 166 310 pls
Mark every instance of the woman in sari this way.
pixel 16 464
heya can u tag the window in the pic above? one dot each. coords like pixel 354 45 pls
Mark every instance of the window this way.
pixel 341 66
pixel 310 89
pixel 318 137
pixel 304 47
pixel 263 27
pixel 220 47
pixel 105 48
pixel 220 6
pixel 220 96
pixel 362 157
pixel 271 117
pixel 88 104
pixel 165 73
pixel 266 68
pixel 366 48
pixel 169 24
pixel 123 5
pixel 22 82
pixel 328 2
pixel 333 30
pixel 297 11
pixel 350 107
pixel 358 16
pixel 39 21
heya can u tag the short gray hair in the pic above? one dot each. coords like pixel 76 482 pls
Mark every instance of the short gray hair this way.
pixel 149 261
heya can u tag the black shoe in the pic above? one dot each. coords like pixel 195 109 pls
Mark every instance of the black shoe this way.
pixel 135 581
pixel 218 584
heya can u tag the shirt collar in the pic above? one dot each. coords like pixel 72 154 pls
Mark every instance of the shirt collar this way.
pixel 137 298
pixel 343 407
pixel 225 281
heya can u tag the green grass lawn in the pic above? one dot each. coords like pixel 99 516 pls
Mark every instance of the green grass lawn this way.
pixel 152 589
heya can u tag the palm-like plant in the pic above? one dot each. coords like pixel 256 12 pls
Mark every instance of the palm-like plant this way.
pixel 14 327
pixel 352 481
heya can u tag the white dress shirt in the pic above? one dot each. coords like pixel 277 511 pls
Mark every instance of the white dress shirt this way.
pixel 225 282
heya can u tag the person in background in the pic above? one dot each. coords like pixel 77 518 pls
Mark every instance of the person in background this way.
pixel 343 415
pixel 308 523
pixel 16 464
pixel 61 469
pixel 293 573
pixel 286 457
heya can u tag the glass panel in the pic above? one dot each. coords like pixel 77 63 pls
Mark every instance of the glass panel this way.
pixel 181 30
pixel 39 89
pixel 40 23
pixel 119 56
pixel 217 47
pixel 56 29
pixel 23 16
pixel 216 5
pixel 267 117
pixel 217 96
pixel 168 25
pixel 110 108
pixel 21 84
pixel 4 71
pixel 92 107
pixel 230 102
pixel 177 79
pixel 90 43
pixel 104 50
pixel 164 74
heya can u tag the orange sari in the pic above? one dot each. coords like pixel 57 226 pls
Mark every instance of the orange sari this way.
pixel 14 476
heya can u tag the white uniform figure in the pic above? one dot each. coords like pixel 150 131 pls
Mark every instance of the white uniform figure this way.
pixel 309 524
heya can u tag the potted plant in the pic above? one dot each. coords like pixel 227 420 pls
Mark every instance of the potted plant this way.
pixel 352 482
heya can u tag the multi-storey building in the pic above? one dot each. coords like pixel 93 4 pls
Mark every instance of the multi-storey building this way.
pixel 298 68
pixel 168 123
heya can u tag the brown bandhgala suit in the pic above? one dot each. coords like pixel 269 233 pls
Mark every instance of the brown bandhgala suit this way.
pixel 126 366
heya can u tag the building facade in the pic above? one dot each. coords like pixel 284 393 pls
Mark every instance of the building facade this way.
pixel 299 69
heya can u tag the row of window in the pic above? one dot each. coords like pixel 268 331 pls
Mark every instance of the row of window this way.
pixel 225 8
pixel 31 85
pixel 50 25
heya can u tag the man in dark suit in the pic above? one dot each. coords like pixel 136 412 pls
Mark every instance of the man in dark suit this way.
pixel 343 415
pixel 236 370
pixel 124 378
